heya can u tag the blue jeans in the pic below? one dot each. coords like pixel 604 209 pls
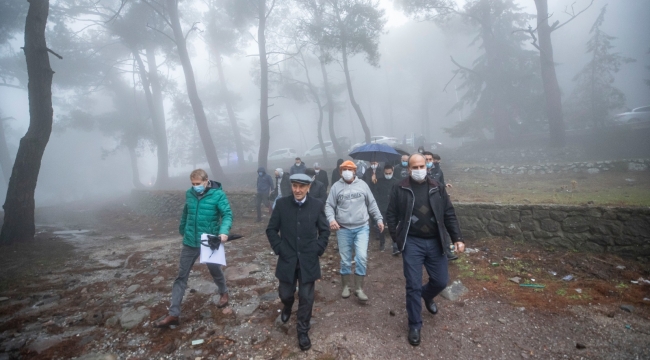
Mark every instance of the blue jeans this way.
pixel 427 252
pixel 353 239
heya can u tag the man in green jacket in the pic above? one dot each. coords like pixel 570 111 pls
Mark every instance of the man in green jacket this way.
pixel 206 211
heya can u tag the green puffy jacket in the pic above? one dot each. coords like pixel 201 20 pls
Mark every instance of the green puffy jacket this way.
pixel 207 213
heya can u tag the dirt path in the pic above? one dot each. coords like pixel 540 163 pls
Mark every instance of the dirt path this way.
pixel 102 282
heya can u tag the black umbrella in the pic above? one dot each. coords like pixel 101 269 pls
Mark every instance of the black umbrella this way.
pixel 375 152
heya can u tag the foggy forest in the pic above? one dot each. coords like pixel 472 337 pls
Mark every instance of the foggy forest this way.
pixel 104 103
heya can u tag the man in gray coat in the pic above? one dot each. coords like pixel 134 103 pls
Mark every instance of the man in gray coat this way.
pixel 347 208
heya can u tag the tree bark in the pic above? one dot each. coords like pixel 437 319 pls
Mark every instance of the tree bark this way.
pixel 330 111
pixel 357 108
pixel 265 136
pixel 159 126
pixel 225 94
pixel 549 77
pixel 134 168
pixel 195 101
pixel 19 203
pixel 5 158
pixel 316 98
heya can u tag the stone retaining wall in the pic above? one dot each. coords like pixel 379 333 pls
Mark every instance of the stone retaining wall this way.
pixel 621 230
pixel 593 167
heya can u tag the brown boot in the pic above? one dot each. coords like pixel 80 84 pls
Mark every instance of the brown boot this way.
pixel 223 301
pixel 167 322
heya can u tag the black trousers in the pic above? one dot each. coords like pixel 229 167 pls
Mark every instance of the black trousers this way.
pixel 261 198
pixel 305 300
pixel 427 252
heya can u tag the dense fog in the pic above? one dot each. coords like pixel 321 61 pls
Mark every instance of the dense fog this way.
pixel 101 111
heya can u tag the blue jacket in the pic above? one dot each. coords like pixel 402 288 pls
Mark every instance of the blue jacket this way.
pixel 264 182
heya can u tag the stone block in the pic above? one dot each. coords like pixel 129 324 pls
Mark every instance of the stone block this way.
pixel 540 234
pixel 558 215
pixel 512 230
pixel 637 227
pixel 549 225
pixel 528 236
pixel 526 213
pixel 468 234
pixel 496 228
pixel 575 224
pixel 539 214
pixel 602 240
pixel 515 215
pixel 527 223
pixel 502 215
pixel 606 227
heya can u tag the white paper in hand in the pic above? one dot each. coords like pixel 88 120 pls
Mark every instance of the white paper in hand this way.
pixel 210 256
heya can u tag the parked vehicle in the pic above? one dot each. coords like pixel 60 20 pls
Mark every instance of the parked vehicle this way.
pixel 329 147
pixel 390 141
pixel 280 154
pixel 637 118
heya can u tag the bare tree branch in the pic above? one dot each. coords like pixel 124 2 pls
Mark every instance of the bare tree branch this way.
pixel 462 67
pixel 192 28
pixel 13 86
pixel 556 25
pixel 55 54
pixel 273 117
pixel 117 13
pixel 531 32
pixel 450 80
pixel 162 32
pixel 270 9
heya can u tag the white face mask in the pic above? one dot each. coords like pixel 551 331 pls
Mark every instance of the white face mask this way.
pixel 317 171
pixel 388 177
pixel 347 175
pixel 373 166
pixel 418 175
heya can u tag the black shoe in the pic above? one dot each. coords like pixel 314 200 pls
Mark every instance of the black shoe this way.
pixel 286 314
pixel 414 337
pixel 452 256
pixel 305 343
pixel 396 252
pixel 431 306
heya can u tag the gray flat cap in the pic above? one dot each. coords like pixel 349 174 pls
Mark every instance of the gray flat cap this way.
pixel 300 178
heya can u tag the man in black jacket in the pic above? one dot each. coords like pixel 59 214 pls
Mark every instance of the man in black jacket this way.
pixel 282 185
pixel 383 188
pixel 298 232
pixel 317 189
pixel 321 175
pixel 419 213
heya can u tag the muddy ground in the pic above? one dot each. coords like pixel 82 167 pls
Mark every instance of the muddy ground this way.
pixel 97 277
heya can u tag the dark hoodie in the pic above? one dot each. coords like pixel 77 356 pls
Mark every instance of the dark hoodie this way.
pixel 264 182
pixel 335 173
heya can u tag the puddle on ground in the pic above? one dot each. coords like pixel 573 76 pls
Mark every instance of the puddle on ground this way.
pixel 70 232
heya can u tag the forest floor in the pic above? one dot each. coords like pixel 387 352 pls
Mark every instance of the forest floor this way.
pixel 97 277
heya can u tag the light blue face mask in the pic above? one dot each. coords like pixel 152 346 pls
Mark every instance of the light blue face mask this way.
pixel 405 163
pixel 260 173
pixel 429 165
pixel 199 188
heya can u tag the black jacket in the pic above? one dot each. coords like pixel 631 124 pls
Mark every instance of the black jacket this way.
pixel 318 190
pixel 322 177
pixel 400 172
pixel 336 175
pixel 382 196
pixel 400 210
pixel 298 234
pixel 437 175
pixel 298 169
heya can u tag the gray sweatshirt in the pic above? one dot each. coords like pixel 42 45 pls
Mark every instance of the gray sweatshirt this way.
pixel 349 204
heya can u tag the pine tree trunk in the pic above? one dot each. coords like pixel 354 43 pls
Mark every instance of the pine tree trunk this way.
pixel 225 94
pixel 357 108
pixel 314 95
pixel 340 152
pixel 193 94
pixel 265 136
pixel 5 158
pixel 159 126
pixel 549 77
pixel 19 203
pixel 135 171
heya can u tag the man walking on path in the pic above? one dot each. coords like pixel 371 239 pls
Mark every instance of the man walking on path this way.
pixel 418 215
pixel 298 233
pixel 317 189
pixel 382 195
pixel 297 168
pixel 264 187
pixel 347 209
pixel 336 175
pixel 282 185
pixel 401 170
pixel 206 210
pixel 321 175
